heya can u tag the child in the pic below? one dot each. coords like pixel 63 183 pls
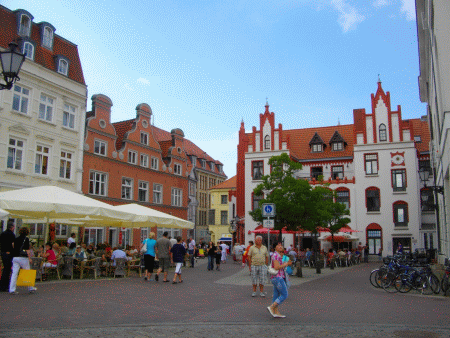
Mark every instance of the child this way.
pixel 178 253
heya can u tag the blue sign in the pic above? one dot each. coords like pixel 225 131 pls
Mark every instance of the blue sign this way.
pixel 268 210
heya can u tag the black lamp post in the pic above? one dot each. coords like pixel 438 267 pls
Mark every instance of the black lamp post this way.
pixel 11 61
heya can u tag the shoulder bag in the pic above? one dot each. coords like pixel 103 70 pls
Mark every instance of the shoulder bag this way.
pixel 144 247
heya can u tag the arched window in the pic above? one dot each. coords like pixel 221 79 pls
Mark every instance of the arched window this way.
pixel 28 50
pixel 400 210
pixel 374 234
pixel 47 39
pixel 382 132
pixel 63 67
pixel 373 199
pixel 267 142
pixel 343 196
pixel 25 25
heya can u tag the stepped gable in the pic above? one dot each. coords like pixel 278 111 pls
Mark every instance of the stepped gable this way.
pixel 228 184
pixel 121 128
pixel 42 55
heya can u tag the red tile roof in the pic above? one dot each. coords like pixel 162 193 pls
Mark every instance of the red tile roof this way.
pixel 420 128
pixel 42 55
pixel 121 128
pixel 228 184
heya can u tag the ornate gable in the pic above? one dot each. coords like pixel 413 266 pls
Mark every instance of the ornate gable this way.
pixel 316 139
pixel 337 138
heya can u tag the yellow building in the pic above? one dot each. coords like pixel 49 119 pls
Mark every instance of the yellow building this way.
pixel 220 213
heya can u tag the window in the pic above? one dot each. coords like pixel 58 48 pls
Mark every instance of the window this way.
pixel 177 197
pixel 127 188
pixel 143 191
pixel 144 234
pixel 212 166
pixel 126 236
pixel 337 172
pixel 426 165
pixel 157 193
pixel 373 199
pixel 316 172
pixel 15 153
pixel 224 217
pixel 337 146
pixel 20 99
pixel 257 170
pixel 177 169
pixel 61 230
pixel 400 213
pixel 144 160
pixel 382 132
pixel 100 147
pixel 155 163
pixel 417 139
pixel 203 164
pixel 267 142
pixel 212 217
pixel 316 148
pixel 371 164
pixel 47 39
pixel 93 235
pixel 63 67
pixel 25 25
pixel 65 165
pixel 37 229
pixel 427 199
pixel 374 237
pixel 223 199
pixel 343 196
pixel 46 108
pixel 399 179
pixel 69 116
pixel 256 200
pixel 28 50
pixel 144 138
pixel 41 162
pixel 97 184
pixel 132 157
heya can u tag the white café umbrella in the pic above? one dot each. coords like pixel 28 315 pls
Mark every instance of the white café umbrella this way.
pixel 51 202
pixel 3 213
pixel 146 217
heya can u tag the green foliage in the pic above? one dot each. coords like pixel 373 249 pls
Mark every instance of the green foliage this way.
pixel 298 204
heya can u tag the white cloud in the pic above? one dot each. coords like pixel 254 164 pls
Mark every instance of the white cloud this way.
pixel 380 3
pixel 349 17
pixel 409 8
pixel 143 81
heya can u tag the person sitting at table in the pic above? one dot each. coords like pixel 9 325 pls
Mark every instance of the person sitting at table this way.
pixel 63 248
pixel 117 253
pixel 72 249
pixel 50 256
pixel 132 253
pixel 56 250
pixel 79 254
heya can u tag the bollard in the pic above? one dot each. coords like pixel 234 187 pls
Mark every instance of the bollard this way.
pixel 298 265
pixel 318 263
pixel 332 261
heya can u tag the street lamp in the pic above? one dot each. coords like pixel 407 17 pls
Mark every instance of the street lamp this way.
pixel 424 174
pixel 11 63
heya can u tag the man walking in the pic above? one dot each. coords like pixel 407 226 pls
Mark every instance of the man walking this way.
pixel 6 246
pixel 163 254
pixel 191 251
pixel 258 258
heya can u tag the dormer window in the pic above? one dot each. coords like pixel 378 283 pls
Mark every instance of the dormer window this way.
pixel 28 50
pixel 337 142
pixel 62 65
pixel 203 164
pixel 316 148
pixel 382 132
pixel 25 25
pixel 212 166
pixel 47 37
pixel 317 145
pixel 267 142
pixel 336 146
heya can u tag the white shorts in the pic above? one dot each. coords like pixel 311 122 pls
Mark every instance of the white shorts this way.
pixel 178 268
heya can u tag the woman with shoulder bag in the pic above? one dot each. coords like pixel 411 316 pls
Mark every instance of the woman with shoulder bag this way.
pixel 280 281
pixel 148 249
pixel 21 260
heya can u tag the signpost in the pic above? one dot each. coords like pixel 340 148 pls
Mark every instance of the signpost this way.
pixel 268 211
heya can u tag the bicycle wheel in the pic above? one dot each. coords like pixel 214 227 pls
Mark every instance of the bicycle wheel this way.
pixel 388 282
pixel 402 284
pixel 434 283
pixel 374 275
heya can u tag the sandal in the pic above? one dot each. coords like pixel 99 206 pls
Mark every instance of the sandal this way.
pixel 174 282
pixel 166 281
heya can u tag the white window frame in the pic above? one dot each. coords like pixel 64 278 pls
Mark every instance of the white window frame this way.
pixel 25 28
pixel 144 138
pixel 144 160
pixel 36 229
pixel 65 165
pixel 132 156
pixel 47 39
pixel 143 188
pixel 100 147
pixel 46 104
pixel 127 188
pixel 155 163
pixel 177 197
pixel 98 184
pixel 317 148
pixel 99 235
pixel 16 153
pixel 177 169
pixel 157 193
pixel 371 164
pixel 21 99
pixel 42 159
pixel 63 67
pixel 61 230
pixel 28 50
pixel 337 146
pixel 69 114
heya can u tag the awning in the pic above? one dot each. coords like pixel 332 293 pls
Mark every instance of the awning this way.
pixel 225 239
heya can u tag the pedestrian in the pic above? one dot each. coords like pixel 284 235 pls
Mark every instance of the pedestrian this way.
pixel 258 257
pixel 149 255
pixel 211 255
pixel 21 260
pixel 178 252
pixel 163 254
pixel 380 253
pixel 6 246
pixel 366 254
pixel 280 282
pixel 218 256
pixel 245 255
pixel 71 239
pixel 191 251
pixel 224 252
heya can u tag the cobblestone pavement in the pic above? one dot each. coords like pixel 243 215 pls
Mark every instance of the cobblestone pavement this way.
pixel 335 303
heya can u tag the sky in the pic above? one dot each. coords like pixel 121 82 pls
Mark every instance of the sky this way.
pixel 206 65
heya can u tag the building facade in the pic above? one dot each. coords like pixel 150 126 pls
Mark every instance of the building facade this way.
pixel 372 165
pixel 42 116
pixel 434 88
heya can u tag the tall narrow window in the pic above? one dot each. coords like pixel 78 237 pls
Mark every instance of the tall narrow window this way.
pixel 144 138
pixel 399 180
pixel 343 196
pixel 65 165
pixel 132 157
pixel 15 154
pixel 382 133
pixel 257 170
pixel 69 116
pixel 127 188
pixel 400 213
pixel 157 193
pixel 373 199
pixel 267 142
pixel 46 108
pixel 371 164
pixel 20 99
pixel 256 200
pixel 144 160
pixel 47 39
pixel 177 195
pixel 25 25
pixel 28 50
pixel 97 183
pixel 42 158
pixel 155 163
pixel 63 67
pixel 100 147
pixel 143 191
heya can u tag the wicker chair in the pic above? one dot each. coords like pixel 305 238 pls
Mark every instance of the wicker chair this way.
pixel 53 269
pixel 134 264
pixel 92 265
pixel 120 268
pixel 36 264
pixel 67 266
